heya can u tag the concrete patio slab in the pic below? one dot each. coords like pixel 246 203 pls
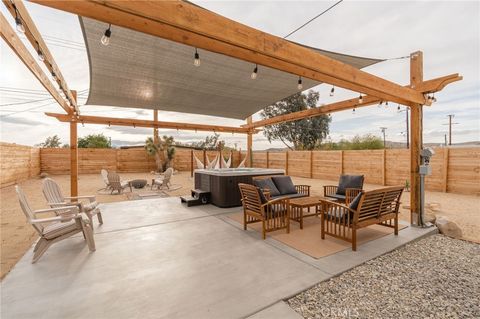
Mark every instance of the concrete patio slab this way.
pixel 277 311
pixel 173 263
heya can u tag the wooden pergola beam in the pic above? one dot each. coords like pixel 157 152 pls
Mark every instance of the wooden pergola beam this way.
pixel 16 44
pixel 35 38
pixel 87 119
pixel 186 23
pixel 429 86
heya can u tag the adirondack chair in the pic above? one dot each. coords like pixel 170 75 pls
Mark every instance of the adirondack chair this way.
pixel 67 223
pixel 54 196
pixel 163 182
pixel 273 214
pixel 104 174
pixel 116 184
pixel 379 206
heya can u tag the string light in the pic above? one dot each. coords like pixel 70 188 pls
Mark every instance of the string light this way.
pixel 386 104
pixel 196 62
pixel 360 99
pixel 54 76
pixel 332 91
pixel 434 99
pixel 353 110
pixel 106 36
pixel 299 86
pixel 41 57
pixel 18 21
pixel 398 107
pixel 254 73
pixel 380 104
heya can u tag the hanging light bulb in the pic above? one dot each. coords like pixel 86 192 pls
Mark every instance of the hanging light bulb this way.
pixel 353 110
pixel 299 86
pixel 332 91
pixel 106 36
pixel 18 21
pixel 41 57
pixel 434 99
pixel 360 99
pixel 386 104
pixel 254 73
pixel 380 104
pixel 196 62
pixel 398 107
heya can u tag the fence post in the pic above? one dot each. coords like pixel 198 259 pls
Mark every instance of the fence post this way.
pixel 286 163
pixel 311 164
pixel 204 158
pixel 384 168
pixel 268 159
pixel 341 163
pixel 191 163
pixel 446 155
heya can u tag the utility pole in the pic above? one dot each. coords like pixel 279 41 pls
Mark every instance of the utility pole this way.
pixel 383 132
pixel 407 123
pixel 445 139
pixel 450 123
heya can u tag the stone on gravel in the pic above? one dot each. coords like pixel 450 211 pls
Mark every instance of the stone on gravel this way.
pixel 448 228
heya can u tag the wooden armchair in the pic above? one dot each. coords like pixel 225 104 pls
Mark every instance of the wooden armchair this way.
pixel 349 186
pixel 374 207
pixel 273 214
pixel 67 223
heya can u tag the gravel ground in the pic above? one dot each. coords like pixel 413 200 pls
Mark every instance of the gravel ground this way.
pixel 436 277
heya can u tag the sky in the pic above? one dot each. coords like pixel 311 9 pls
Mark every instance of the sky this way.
pixel 448 33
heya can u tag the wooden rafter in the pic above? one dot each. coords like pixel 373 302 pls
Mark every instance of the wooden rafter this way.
pixel 12 39
pixel 429 86
pixel 186 23
pixel 35 38
pixel 86 119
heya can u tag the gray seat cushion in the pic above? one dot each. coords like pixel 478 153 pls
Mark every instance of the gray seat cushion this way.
pixel 349 181
pixel 341 198
pixel 284 185
pixel 267 183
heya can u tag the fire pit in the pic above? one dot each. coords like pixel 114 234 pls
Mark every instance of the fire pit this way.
pixel 138 183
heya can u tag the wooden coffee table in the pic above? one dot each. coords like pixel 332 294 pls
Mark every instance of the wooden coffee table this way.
pixel 301 208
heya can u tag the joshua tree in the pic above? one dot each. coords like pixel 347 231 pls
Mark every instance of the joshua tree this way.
pixel 163 149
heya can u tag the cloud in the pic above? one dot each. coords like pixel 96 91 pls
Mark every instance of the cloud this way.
pixel 20 121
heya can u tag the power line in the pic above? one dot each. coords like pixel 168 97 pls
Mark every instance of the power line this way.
pixel 33 108
pixel 314 18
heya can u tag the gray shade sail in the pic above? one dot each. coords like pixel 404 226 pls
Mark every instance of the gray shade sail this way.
pixel 137 70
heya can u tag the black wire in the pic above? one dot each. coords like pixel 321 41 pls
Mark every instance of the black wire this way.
pixel 317 16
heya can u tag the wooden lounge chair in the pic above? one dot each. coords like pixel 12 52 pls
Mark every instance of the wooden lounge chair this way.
pixel 67 223
pixel 272 214
pixel 163 182
pixel 368 208
pixel 104 174
pixel 54 196
pixel 116 184
pixel 348 188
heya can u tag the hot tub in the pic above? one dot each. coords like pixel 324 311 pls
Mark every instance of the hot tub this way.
pixel 222 183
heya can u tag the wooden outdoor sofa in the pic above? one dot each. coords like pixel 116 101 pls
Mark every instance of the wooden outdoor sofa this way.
pixel 379 206
pixel 276 186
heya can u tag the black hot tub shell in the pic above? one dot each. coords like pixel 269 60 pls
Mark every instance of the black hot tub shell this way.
pixel 223 183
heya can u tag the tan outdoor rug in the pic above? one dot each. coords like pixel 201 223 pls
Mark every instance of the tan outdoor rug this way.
pixel 308 240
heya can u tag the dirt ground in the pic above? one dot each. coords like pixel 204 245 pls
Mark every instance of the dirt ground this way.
pixel 17 236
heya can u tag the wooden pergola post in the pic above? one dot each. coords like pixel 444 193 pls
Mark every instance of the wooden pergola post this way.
pixel 249 144
pixel 73 153
pixel 416 136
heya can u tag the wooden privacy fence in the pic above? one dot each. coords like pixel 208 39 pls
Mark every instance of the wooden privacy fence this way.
pixel 17 163
pixel 455 170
